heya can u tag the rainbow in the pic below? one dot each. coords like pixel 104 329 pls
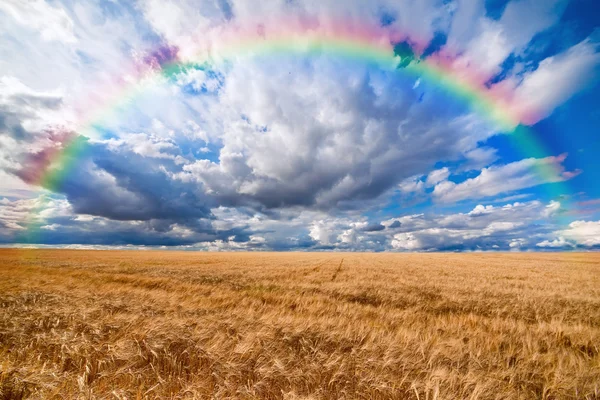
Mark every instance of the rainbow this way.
pixel 307 38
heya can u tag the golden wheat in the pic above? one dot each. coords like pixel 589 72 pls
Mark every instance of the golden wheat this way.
pixel 117 325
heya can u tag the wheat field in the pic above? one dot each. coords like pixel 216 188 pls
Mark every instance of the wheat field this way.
pixel 176 325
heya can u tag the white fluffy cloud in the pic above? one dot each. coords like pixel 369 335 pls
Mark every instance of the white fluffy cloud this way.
pixel 485 43
pixel 484 227
pixel 517 243
pixel 51 22
pixel 578 233
pixel 406 241
pixel 585 233
pixel 551 209
pixel 178 22
pixel 437 176
pixel 491 181
pixel 556 79
pixel 504 178
pixel 555 244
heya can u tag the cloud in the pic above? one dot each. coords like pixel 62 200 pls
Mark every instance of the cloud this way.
pixel 52 23
pixel 517 243
pixel 437 176
pixel 555 244
pixel 342 133
pixel 53 220
pixel 551 209
pixel 376 227
pixel 487 50
pixel 17 215
pixel 394 224
pixel 147 146
pixel 30 131
pixel 177 21
pixel 485 43
pixel 556 79
pixel 522 20
pixel 414 184
pixel 480 157
pixel 406 241
pixel 124 185
pixel 504 178
pixel 84 48
pixel 321 233
pixel 24 112
pixel 584 233
pixel 484 227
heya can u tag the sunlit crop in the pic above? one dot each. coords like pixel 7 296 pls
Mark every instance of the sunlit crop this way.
pixel 117 325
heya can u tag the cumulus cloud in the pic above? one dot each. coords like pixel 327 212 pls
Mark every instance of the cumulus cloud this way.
pixel 437 176
pixel 125 185
pixel 584 233
pixel 517 243
pixel 406 241
pixel 53 220
pixel 558 243
pixel 341 133
pixel 484 227
pixel 505 178
pixel 411 185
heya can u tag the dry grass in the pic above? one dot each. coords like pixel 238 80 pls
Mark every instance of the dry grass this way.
pixel 83 324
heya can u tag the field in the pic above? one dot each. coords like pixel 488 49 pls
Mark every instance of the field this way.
pixel 116 325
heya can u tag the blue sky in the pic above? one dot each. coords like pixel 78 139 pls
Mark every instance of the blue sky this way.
pixel 298 152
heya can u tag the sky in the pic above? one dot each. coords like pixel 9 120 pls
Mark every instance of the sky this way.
pixel 387 125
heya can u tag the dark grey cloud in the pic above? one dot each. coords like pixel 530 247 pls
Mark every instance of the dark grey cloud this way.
pixel 128 186
pixel 20 104
pixel 10 123
pixel 374 228
pixel 55 222
pixel 395 224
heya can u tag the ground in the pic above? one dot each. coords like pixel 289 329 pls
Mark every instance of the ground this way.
pixel 148 324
